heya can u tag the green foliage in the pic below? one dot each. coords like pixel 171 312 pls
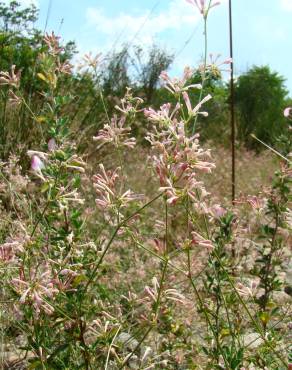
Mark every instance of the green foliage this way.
pixel 22 45
pixel 14 17
pixel 216 127
pixel 87 287
pixel 149 69
pixel 116 74
pixel 260 98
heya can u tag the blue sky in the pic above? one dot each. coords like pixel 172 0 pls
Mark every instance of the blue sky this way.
pixel 262 29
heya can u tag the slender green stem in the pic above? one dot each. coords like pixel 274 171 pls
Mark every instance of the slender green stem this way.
pixel 162 259
pixel 102 97
pixel 157 303
pixel 40 218
pixel 136 348
pixel 202 307
pixel 255 323
pixel 204 66
pixel 109 350
pixel 270 148
pixel 120 225
pixel 159 294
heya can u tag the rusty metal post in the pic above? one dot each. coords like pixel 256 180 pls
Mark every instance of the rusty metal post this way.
pixel 231 100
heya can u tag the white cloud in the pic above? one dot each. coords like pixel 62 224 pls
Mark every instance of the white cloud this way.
pixel 286 5
pixel 177 16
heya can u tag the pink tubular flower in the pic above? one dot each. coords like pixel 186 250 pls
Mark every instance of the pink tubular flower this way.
pixel 13 99
pixel 215 67
pixel 287 112
pixel 115 133
pixel 164 115
pixel 109 198
pixel 247 291
pixel 197 239
pixel 7 252
pixel 71 196
pixel 65 67
pixel 175 85
pixel 194 111
pixel 11 79
pixel 36 290
pixel 214 60
pixel 167 294
pixel 129 103
pixel 258 204
pixel 37 164
pixel 89 60
pixel 217 211
pixel 52 41
pixel 201 5
pixel 64 282
pixel 52 146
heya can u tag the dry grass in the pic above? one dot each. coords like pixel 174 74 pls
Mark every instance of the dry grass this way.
pixel 253 171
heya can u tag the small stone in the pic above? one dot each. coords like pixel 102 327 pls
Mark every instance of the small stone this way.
pixel 127 340
pixel 281 297
pixel 252 340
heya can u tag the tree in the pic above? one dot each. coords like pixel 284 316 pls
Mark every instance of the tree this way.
pixel 13 17
pixel 149 67
pixel 20 45
pixel 116 72
pixel 260 99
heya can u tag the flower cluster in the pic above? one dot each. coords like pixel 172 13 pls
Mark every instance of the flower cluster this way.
pixel 177 162
pixel 164 115
pixel 249 290
pixel 200 241
pixel 109 197
pixel 7 252
pixel 115 133
pixel 52 41
pixel 90 61
pixel 37 289
pixel 11 79
pixel 287 112
pixel 257 203
pixel 42 160
pixel 215 66
pixel 176 85
pixel 202 6
pixel 196 110
pixel 168 294
pixel 129 104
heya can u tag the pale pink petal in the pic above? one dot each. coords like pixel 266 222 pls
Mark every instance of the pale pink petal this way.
pixel 36 163
pixel 187 101
pixel 287 111
pixel 52 145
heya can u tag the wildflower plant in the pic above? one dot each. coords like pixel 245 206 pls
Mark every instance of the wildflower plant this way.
pixel 98 275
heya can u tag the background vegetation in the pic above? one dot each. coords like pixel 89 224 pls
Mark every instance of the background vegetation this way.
pixel 261 95
pixel 119 245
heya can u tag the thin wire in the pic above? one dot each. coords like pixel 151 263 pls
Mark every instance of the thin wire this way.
pixel 145 21
pixel 138 31
pixel 129 44
pixel 60 26
pixel 188 40
pixel 48 14
pixel 119 36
